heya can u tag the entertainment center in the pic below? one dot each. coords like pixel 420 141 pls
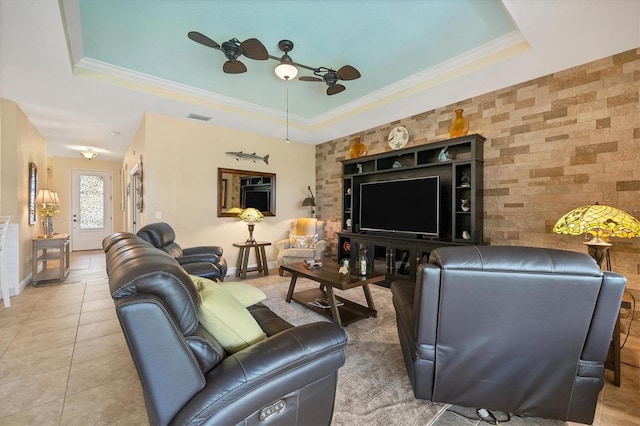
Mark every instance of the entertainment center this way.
pixel 424 197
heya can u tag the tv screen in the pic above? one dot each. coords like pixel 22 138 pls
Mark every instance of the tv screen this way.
pixel 408 205
pixel 257 199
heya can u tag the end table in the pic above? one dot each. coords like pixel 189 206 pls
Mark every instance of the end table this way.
pixel 54 250
pixel 243 258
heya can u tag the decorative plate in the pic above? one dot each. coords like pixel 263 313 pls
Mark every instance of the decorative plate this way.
pixel 398 137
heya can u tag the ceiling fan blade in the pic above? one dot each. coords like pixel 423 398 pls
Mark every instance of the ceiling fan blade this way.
pixel 234 67
pixel 308 78
pixel 202 39
pixel 335 89
pixel 254 49
pixel 348 72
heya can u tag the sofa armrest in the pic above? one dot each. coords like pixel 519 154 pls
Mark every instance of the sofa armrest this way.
pixel 282 244
pixel 168 369
pixel 217 250
pixel 319 248
pixel 250 379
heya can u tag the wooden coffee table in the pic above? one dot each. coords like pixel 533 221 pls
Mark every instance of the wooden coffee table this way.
pixel 342 311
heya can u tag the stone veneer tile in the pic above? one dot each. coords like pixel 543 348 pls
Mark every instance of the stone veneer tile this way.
pixel 597 148
pixel 628 185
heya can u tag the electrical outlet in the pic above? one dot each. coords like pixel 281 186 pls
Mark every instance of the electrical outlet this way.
pixel 158 215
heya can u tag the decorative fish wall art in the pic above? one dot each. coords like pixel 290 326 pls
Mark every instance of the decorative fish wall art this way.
pixel 250 157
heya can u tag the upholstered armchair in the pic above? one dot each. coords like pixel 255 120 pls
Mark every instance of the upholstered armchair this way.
pixel 305 241
pixel 194 259
pixel 516 329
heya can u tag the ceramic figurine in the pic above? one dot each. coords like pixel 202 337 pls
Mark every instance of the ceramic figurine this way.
pixel 465 205
pixel 465 235
pixel 444 155
pixel 465 179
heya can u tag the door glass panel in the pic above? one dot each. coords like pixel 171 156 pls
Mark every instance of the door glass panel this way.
pixel 91 202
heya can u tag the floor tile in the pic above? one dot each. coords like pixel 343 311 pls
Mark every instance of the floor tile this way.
pixel 97 329
pixel 18 396
pixel 20 366
pixel 105 404
pixel 98 315
pixel 97 371
pixel 29 343
pixel 99 346
pixel 42 415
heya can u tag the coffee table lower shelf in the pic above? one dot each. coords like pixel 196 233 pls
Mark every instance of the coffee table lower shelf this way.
pixel 349 311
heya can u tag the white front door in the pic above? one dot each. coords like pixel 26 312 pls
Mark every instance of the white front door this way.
pixel 92 211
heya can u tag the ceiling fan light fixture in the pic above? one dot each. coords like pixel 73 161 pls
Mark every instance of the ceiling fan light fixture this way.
pixel 89 154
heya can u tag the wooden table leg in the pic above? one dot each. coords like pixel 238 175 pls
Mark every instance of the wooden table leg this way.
pixel 335 313
pixel 239 262
pixel 367 295
pixel 245 262
pixel 259 264
pixel 292 285
pixel 265 265
pixel 616 352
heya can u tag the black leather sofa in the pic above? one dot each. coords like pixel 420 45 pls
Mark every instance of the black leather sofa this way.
pixel 516 329
pixel 188 378
pixel 161 235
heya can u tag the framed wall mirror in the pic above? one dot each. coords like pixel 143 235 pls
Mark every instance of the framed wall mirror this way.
pixel 33 182
pixel 240 189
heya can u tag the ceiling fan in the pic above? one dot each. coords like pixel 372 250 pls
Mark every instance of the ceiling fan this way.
pixel 331 77
pixel 252 48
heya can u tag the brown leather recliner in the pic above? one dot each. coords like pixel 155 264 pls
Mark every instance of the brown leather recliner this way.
pixel 161 235
pixel 516 329
pixel 186 375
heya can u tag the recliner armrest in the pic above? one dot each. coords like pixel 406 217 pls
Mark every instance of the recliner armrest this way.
pixel 287 361
pixel 203 250
pixel 198 258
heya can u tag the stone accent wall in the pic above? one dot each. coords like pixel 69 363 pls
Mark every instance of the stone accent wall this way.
pixel 553 144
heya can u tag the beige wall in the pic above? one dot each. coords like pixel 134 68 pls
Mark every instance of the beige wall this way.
pixel 180 162
pixel 21 144
pixel 553 144
pixel 60 181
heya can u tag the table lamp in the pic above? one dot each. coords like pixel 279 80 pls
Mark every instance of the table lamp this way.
pixel 48 206
pixel 251 216
pixel 602 222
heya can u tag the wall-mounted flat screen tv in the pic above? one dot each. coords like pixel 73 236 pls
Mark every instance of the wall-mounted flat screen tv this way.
pixel 407 205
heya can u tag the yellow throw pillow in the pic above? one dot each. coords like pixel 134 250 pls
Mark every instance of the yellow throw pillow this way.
pixel 244 293
pixel 305 226
pixel 225 318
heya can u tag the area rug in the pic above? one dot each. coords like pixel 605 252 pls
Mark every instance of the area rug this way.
pixel 373 386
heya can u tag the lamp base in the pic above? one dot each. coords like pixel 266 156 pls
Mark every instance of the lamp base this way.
pixel 251 240
pixel 598 249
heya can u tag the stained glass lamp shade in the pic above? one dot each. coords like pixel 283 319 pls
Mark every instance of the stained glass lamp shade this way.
pixel 251 216
pixel 600 221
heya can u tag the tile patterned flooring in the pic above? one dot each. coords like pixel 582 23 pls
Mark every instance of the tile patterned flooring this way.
pixel 64 361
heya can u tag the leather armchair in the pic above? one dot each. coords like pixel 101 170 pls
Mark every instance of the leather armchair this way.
pixel 288 253
pixel 517 329
pixel 161 235
pixel 186 375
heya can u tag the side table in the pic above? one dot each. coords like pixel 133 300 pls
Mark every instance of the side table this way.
pixel 54 250
pixel 243 258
